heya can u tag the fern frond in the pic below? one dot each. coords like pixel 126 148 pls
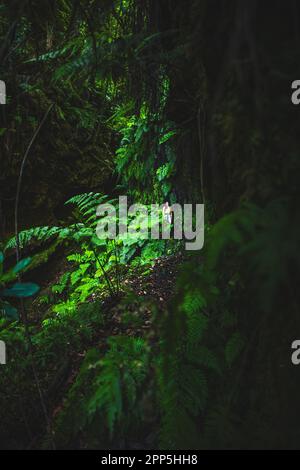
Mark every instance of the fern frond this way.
pixel 85 200
pixel 40 234
pixel 107 388
pixel 200 355
pixel 193 301
pixel 234 347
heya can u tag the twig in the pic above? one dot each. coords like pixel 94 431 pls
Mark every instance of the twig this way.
pixel 21 177
pixel 105 274
pixel 23 311
pixel 201 133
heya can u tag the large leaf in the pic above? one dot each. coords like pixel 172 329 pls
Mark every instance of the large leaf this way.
pixel 21 265
pixel 12 273
pixel 9 311
pixel 21 289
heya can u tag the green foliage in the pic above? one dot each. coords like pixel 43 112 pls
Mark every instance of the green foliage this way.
pixel 204 344
pixel 58 344
pixel 86 205
pixel 234 347
pixel 100 263
pixel 105 394
pixel 182 376
pixel 137 94
pixel 144 135
pixel 17 290
pixel 39 234
pixel 62 284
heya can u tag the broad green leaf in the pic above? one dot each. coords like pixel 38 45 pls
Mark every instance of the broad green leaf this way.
pixel 25 289
pixel 9 311
pixel 21 265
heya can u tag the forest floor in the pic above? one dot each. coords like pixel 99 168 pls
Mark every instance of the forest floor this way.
pixel 144 296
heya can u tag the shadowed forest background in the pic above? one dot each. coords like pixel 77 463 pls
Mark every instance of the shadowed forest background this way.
pixel 142 344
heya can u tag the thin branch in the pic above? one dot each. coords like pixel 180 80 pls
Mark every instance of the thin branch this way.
pixel 21 178
pixel 23 311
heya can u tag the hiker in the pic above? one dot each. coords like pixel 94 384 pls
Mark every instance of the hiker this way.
pixel 167 212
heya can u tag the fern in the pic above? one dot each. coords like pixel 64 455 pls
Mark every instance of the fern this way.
pixel 61 286
pixel 86 200
pixel 87 204
pixel 234 347
pixel 40 234
pixel 75 232
pixel 200 355
pixel 106 389
pixel 256 245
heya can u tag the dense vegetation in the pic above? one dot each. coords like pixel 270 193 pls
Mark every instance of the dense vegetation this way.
pixel 140 343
